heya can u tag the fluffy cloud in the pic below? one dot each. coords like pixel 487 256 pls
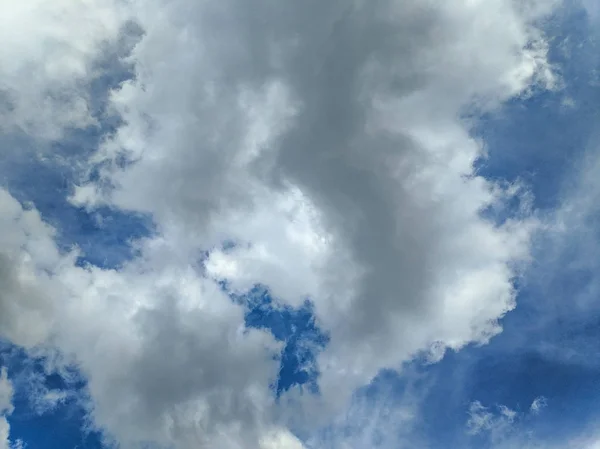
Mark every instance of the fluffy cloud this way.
pixel 342 166
pixel 330 142
pixel 280 439
pixel 167 357
pixel 28 257
pixel 51 54
pixel 162 346
pixel 6 408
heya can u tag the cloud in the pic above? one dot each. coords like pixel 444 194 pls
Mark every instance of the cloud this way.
pixel 330 142
pixel 385 414
pixel 171 362
pixel 497 423
pixel 6 409
pixel 28 256
pixel 118 327
pixel 342 166
pixel 538 404
pixel 41 398
pixel 49 59
pixel 503 427
pixel 280 439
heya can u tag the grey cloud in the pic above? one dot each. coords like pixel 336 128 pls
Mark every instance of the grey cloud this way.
pixel 373 139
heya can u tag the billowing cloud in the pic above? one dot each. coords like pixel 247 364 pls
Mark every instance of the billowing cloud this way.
pixel 329 144
pixel 341 165
pixel 167 356
pixel 28 257
pixel 161 346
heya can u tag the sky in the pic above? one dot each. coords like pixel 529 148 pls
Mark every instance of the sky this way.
pixel 321 224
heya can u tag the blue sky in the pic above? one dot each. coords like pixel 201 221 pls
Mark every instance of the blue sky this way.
pixel 547 349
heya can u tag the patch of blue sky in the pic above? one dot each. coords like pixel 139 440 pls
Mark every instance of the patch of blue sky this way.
pixel 297 329
pixel 102 234
pixel 495 377
pixel 46 176
pixel 64 423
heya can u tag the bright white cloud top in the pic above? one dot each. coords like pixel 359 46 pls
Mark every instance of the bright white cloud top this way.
pixel 323 149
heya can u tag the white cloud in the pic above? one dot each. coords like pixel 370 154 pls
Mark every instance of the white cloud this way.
pixel 28 256
pixel 166 356
pixel 280 439
pixel 504 427
pixel 6 408
pixel 41 398
pixel 165 351
pixel 538 404
pixel 328 140
pixel 48 59
pixel 497 423
pixel 342 166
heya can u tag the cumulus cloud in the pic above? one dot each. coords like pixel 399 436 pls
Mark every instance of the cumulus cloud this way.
pixel 6 409
pixel 330 142
pixel 166 353
pixel 167 357
pixel 342 165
